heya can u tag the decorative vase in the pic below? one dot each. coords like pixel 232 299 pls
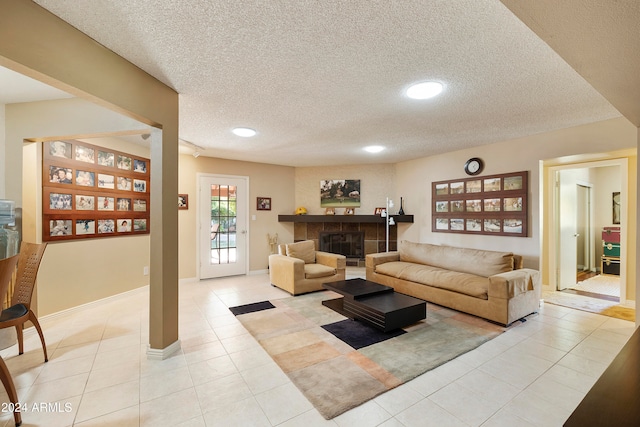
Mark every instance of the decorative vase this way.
pixel 401 211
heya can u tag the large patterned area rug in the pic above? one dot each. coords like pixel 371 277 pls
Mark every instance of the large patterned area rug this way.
pixel 298 333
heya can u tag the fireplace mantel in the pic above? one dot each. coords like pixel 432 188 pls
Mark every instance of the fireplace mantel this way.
pixel 363 219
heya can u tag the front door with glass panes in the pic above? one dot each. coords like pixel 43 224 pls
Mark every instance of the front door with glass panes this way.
pixel 223 226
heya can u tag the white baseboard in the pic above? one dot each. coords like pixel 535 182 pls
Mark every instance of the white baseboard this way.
pixel 162 353
pixel 94 303
pixel 75 309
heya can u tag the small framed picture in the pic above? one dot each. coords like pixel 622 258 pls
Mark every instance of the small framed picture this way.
pixel 183 201
pixel 106 181
pixel 85 226
pixel 139 225
pixel 124 225
pixel 59 201
pixel 85 154
pixel 140 185
pixel 106 158
pixel 378 211
pixel 60 149
pixel 85 178
pixel 60 227
pixel 106 203
pixel 124 183
pixel 123 204
pixel 124 162
pixel 59 175
pixel 85 203
pixel 139 205
pixel 139 166
pixel 106 226
pixel 330 211
pixel 264 203
pixel 349 211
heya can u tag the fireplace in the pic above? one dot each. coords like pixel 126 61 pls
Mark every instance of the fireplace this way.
pixel 347 243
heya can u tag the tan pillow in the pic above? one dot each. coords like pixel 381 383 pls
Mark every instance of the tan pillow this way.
pixel 305 250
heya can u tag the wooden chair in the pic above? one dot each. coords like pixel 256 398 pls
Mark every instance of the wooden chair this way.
pixel 7 381
pixel 20 310
pixel 7 268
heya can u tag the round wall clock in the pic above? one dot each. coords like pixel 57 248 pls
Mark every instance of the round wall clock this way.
pixel 473 166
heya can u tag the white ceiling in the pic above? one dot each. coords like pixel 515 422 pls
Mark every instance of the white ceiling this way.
pixel 321 80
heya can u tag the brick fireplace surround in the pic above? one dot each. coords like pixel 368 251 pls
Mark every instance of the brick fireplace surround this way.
pixel 308 227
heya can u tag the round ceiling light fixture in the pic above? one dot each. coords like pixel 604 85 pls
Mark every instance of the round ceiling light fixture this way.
pixel 373 148
pixel 244 132
pixel 424 90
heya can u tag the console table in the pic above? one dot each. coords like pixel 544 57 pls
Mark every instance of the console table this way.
pixel 614 400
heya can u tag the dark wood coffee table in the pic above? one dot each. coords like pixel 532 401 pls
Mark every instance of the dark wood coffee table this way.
pixel 375 304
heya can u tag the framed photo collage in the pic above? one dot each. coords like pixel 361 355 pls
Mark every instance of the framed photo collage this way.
pixel 492 205
pixel 92 192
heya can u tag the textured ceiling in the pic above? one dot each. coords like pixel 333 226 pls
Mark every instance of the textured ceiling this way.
pixel 321 80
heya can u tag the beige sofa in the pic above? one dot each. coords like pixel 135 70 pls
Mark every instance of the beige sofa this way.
pixel 488 284
pixel 298 268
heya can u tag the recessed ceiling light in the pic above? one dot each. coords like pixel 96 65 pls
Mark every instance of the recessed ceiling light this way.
pixel 374 148
pixel 244 132
pixel 424 90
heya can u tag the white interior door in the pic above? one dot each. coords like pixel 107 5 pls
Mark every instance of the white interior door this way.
pixel 567 229
pixel 223 205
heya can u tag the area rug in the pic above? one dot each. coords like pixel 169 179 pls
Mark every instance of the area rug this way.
pixel 335 376
pixel 606 285
pixel 592 305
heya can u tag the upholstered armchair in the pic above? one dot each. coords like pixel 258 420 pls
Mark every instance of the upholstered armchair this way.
pixel 298 268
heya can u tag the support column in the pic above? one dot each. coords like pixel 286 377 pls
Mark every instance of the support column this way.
pixel 163 289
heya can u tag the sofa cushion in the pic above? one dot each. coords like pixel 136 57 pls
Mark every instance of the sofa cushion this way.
pixel 473 261
pixel 313 271
pixel 464 283
pixel 305 250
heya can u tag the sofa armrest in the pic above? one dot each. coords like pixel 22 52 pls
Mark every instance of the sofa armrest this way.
pixel 513 283
pixel 337 261
pixel 380 258
pixel 284 271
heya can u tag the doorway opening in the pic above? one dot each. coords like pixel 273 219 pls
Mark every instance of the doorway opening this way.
pixel 584 206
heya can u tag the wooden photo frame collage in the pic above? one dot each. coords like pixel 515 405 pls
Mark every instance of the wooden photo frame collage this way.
pixel 492 205
pixel 90 191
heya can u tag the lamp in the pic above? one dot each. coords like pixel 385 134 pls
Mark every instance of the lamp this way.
pixel 389 219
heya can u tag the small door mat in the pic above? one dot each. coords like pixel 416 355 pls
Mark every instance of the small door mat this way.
pixel 250 308
pixel 358 334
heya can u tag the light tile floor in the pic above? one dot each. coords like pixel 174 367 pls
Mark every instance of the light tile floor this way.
pixel 98 375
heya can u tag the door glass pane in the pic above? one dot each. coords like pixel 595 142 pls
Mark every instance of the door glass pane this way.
pixel 223 224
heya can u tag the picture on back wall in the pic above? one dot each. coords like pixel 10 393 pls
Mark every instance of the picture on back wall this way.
pixel 336 193
pixel 89 196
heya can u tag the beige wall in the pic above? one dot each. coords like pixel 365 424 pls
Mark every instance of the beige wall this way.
pixel 277 182
pixel 376 184
pixel 579 144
